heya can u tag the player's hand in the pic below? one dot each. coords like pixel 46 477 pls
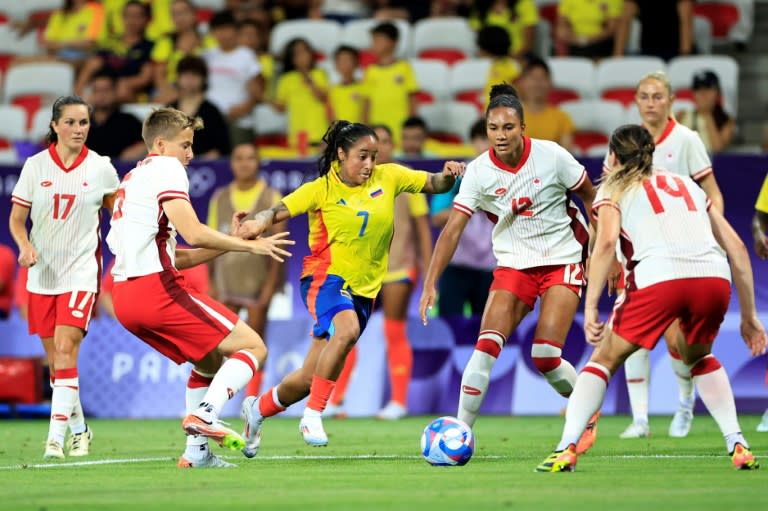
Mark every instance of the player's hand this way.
pixel 594 329
pixel 425 304
pixel 761 246
pixel 753 333
pixel 454 168
pixel 250 229
pixel 237 219
pixel 271 246
pixel 27 256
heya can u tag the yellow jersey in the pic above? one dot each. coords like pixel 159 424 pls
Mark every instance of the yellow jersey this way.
pixel 305 111
pixel 160 23
pixel 346 101
pixel 525 15
pixel 388 89
pixel 549 124
pixel 267 63
pixel 351 228
pixel 762 199
pixel 504 69
pixel 85 24
pixel 587 17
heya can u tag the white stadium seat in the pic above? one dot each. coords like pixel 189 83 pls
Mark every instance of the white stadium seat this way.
pixel 43 79
pixel 323 35
pixel 20 11
pixel 140 110
pixel 41 123
pixel 572 78
pixel 595 120
pixel 13 122
pixel 449 39
pixel 269 125
pixel 11 44
pixel 449 121
pixel 432 77
pixel 357 33
pixel 467 79
pixel 617 77
pixel 682 70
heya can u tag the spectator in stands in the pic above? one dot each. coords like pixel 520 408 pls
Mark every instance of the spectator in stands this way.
pixel 161 23
pixel 253 35
pixel 7 272
pixel 235 84
pixel 467 278
pixel 401 9
pixel 494 42
pixel 709 119
pixel 414 135
pixel 543 120
pixel 302 91
pixel 113 133
pixel 345 10
pixel 347 98
pixel 588 28
pixel 170 49
pixel 213 140
pixel 667 27
pixel 126 55
pixel 390 83
pixel 282 10
pixel 518 17
pixel 73 31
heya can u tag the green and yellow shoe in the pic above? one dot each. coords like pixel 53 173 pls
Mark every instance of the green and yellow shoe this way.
pixel 560 461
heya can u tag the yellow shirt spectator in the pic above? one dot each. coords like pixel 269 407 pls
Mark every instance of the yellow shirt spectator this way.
pixel 242 200
pixel 587 17
pixel 388 89
pixel 762 199
pixel 166 51
pixel 305 111
pixel 267 63
pixel 549 124
pixel 159 25
pixel 505 69
pixel 525 15
pixel 346 101
pixel 85 24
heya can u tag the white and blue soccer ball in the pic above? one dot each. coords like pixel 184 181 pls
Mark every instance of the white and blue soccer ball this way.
pixel 447 441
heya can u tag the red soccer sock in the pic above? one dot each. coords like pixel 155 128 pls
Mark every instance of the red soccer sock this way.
pixel 253 387
pixel 342 382
pixel 400 358
pixel 269 404
pixel 319 393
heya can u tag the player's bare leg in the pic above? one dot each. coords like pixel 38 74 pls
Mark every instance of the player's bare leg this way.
pixel 681 422
pixel 396 298
pixel 66 393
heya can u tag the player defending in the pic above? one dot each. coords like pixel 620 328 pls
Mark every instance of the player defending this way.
pixel 671 238
pixel 153 302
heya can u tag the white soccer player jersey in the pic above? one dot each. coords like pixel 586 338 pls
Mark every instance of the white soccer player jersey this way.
pixel 536 223
pixel 65 209
pixel 665 231
pixel 141 236
pixel 680 150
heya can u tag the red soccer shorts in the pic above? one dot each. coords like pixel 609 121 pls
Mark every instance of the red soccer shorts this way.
pixel 46 312
pixel 163 311
pixel 531 283
pixel 700 304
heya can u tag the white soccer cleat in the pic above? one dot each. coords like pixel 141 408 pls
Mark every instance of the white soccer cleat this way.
pixel 249 411
pixel 392 412
pixel 79 444
pixel 763 426
pixel 53 451
pixel 636 430
pixel 681 423
pixel 311 428
pixel 210 461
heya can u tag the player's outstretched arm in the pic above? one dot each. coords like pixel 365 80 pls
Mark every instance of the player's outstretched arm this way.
pixel 441 256
pixel 17 224
pixel 262 221
pixel 443 182
pixel 601 264
pixel 741 268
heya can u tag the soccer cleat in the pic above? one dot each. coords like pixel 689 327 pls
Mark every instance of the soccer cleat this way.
pixel 636 430
pixel 249 411
pixel 392 412
pixel 215 430
pixel 743 459
pixel 560 461
pixel 210 461
pixel 78 444
pixel 311 428
pixel 763 426
pixel 335 412
pixel 681 422
pixel 589 436
pixel 53 451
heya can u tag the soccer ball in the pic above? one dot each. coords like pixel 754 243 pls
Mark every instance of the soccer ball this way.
pixel 447 441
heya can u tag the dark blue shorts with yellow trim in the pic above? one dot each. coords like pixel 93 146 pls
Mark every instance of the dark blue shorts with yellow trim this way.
pixel 329 298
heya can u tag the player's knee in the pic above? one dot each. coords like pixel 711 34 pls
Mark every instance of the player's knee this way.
pixel 347 336
pixel 546 355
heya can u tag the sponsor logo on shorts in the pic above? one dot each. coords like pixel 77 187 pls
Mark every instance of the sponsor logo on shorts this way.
pixel 471 391
pixel 78 314
pixel 346 294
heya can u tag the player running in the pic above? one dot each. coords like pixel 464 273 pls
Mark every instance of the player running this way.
pixel 671 238
pixel 539 240
pixel 151 298
pixel 62 190
pixel 351 208
pixel 679 150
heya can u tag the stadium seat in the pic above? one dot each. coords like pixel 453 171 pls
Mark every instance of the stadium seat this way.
pixel 13 120
pixel 702 34
pixel 449 121
pixel 466 81
pixel 207 8
pixel 548 11
pixel 323 35
pixel 448 39
pixel 682 69
pixel 12 46
pixel 542 42
pixel 633 38
pixel 572 78
pixel 722 15
pixel 140 110
pixel 32 85
pixel 432 77
pixel 595 120
pixel 271 126
pixel 617 77
pixel 20 11
pixel 357 33
pixel 40 124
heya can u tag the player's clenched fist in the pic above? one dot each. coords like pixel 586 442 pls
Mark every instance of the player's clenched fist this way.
pixel 27 256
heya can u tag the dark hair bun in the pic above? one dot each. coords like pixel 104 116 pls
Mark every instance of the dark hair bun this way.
pixel 503 89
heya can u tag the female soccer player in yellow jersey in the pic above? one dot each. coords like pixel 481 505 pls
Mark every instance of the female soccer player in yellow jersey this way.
pixel 351 211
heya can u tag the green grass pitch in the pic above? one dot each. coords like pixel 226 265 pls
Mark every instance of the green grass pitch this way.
pixel 373 465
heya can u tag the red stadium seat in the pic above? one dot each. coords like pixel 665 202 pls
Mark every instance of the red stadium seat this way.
pixel 31 104
pixel 549 12
pixel 271 140
pixel 584 140
pixel 204 15
pixel 424 97
pixel 448 55
pixel 557 96
pixel 367 57
pixel 473 97
pixel 624 96
pixel 449 39
pixel 432 77
pixel 722 16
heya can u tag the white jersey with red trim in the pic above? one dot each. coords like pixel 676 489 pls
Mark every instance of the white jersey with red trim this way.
pixel 665 231
pixel 679 150
pixel 142 238
pixel 65 208
pixel 536 223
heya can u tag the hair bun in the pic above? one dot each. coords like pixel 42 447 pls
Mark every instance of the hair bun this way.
pixel 503 89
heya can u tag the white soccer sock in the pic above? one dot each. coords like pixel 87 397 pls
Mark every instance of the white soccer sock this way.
pixel 715 391
pixel 684 380
pixel 547 357
pixel 477 375
pixel 77 419
pixel 65 395
pixel 197 386
pixel 585 400
pixel 637 369
pixel 233 375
